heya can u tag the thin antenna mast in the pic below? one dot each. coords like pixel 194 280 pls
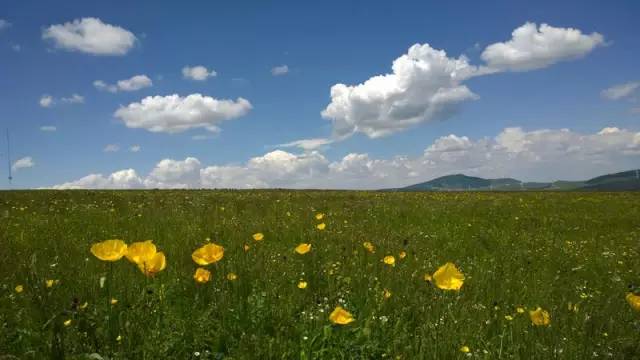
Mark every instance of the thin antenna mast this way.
pixel 9 157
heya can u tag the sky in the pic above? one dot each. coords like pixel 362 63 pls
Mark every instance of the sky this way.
pixel 331 94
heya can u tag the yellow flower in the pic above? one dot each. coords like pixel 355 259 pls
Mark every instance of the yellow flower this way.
pixel 402 255
pixel 389 260
pixel 341 316
pixel 520 310
pixel 114 301
pixel 202 275
pixel 302 284
pixel 109 250
pixel 246 247
pixel 119 338
pixel 258 236
pixel 142 251
pixel 321 226
pixel 67 322
pixel 19 288
pixel 465 349
pixel 508 317
pixel 448 277
pixel 208 254
pixel 231 276
pixel 427 277
pixel 319 216
pixel 540 317
pixel 49 283
pixel 369 246
pixel 303 248
pixel 154 265
pixel 386 293
pixel 634 301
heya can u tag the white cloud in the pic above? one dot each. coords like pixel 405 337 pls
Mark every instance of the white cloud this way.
pixel 135 148
pixel 544 155
pixel 620 91
pixel 173 113
pixel 73 99
pixel 46 101
pixel 23 163
pixel 91 36
pixel 111 148
pixel 134 83
pixel 280 70
pixel 307 144
pixel 532 47
pixel 425 85
pixel 48 128
pixel 198 73
pixel 123 179
pixel 170 173
pixel 4 24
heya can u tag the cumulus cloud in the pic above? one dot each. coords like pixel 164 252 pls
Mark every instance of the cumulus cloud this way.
pixel 197 73
pixel 532 47
pixel 23 163
pixel 111 148
pixel 4 24
pixel 91 36
pixel 174 114
pixel 427 85
pixel 620 91
pixel 48 128
pixel 280 70
pixel 134 83
pixel 123 179
pixel 543 155
pixel 48 100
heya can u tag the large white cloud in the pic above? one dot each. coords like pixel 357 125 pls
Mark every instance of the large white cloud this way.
pixel 532 47
pixel 426 84
pixel 134 83
pixel 174 113
pixel 544 155
pixel 91 36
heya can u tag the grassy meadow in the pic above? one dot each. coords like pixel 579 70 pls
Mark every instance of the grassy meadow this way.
pixel 574 255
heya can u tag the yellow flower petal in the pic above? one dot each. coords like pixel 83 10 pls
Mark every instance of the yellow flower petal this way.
pixel 154 265
pixel 448 277
pixel 319 216
pixel 231 276
pixel 634 301
pixel 369 246
pixel 389 260
pixel 19 288
pixel 386 293
pixel 302 284
pixel 109 250
pixel 321 226
pixel 540 317
pixel 139 252
pixel 303 248
pixel 341 316
pixel 258 236
pixel 208 254
pixel 202 275
pixel 465 349
pixel 402 255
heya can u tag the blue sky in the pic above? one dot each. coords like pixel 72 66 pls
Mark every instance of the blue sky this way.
pixel 322 44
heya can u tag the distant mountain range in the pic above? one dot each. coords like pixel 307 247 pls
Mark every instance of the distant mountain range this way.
pixel 622 181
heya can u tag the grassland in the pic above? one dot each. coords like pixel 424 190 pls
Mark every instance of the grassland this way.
pixel 574 254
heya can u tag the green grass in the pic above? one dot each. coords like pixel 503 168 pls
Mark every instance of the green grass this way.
pixel 515 249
